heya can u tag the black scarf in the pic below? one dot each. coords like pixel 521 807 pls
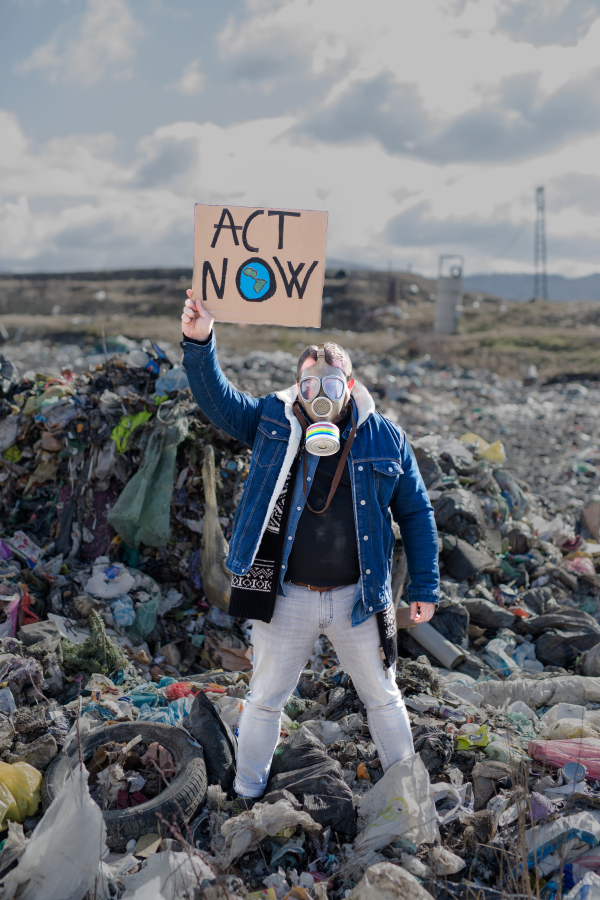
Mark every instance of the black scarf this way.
pixel 253 595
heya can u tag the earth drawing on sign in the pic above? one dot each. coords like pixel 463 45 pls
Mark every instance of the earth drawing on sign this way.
pixel 259 283
pixel 255 280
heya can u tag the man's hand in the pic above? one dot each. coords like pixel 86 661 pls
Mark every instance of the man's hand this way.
pixel 196 322
pixel 421 612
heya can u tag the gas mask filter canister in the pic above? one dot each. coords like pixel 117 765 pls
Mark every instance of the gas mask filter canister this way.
pixel 321 392
pixel 322 439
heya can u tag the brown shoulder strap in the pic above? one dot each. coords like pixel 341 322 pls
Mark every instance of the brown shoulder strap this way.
pixel 340 465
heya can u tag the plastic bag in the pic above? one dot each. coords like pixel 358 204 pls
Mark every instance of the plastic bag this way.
pixel 216 578
pixel 62 859
pixel 458 512
pixel 173 380
pixel 304 769
pixel 494 453
pixel 20 787
pixel 123 611
pixel 566 729
pixel 549 846
pixel 218 743
pixel 479 738
pixel 518 503
pixel 559 753
pixel 589 661
pixel 452 621
pixel 10 607
pixel 545 692
pixel 244 832
pixel 144 694
pixel 146 612
pixel 173 714
pixel 386 880
pixel 587 888
pixel 430 469
pixel 302 750
pixel 462 560
pixel 400 805
pixel 174 690
pixel 141 514
pixel 231 709
pixel 108 581
pixel 168 876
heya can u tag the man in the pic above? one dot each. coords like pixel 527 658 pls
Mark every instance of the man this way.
pixel 312 541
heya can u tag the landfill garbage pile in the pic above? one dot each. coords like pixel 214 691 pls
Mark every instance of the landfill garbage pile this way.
pixel 122 676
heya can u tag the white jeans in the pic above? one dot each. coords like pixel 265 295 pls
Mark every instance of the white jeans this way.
pixel 281 650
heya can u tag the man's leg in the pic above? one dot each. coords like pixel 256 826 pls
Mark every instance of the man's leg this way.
pixel 359 654
pixel 281 649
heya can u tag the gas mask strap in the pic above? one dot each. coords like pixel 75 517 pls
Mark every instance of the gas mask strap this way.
pixel 340 465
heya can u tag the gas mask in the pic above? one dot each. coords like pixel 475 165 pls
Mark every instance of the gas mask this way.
pixel 321 392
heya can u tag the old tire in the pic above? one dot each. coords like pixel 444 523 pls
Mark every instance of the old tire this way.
pixel 175 805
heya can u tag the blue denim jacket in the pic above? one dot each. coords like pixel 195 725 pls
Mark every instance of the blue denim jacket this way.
pixel 383 472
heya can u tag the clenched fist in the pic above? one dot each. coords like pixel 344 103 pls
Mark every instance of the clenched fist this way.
pixel 196 322
pixel 421 612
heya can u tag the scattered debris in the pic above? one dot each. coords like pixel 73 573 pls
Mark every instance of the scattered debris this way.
pixel 122 676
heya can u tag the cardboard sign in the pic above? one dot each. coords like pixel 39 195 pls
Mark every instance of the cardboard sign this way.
pixel 260 266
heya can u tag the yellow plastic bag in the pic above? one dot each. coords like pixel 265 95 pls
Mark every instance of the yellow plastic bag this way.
pixel 481 738
pixel 19 792
pixel 494 453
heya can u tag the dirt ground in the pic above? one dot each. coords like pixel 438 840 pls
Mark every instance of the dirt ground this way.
pixel 383 312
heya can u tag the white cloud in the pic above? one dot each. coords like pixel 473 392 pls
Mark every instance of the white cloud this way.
pixel 71 205
pixel 100 42
pixel 191 81
pixel 421 127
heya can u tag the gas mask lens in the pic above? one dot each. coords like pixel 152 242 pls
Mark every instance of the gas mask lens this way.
pixel 309 388
pixel 334 388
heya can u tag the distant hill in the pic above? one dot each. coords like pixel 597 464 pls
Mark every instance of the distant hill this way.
pixel 520 287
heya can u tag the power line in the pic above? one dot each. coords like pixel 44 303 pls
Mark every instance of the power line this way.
pixel 540 282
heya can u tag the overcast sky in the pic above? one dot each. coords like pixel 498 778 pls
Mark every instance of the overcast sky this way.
pixel 422 126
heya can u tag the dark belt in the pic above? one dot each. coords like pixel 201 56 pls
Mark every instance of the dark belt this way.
pixel 321 590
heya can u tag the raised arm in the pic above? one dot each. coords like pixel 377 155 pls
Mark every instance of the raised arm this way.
pixel 229 409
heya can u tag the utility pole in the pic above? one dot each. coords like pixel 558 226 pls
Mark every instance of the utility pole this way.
pixel 540 283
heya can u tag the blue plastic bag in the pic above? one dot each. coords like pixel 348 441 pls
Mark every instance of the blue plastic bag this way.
pixel 172 714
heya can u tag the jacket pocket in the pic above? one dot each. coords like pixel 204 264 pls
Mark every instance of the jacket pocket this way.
pixel 270 444
pixel 385 477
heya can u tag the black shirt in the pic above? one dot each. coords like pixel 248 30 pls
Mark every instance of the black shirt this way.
pixel 324 552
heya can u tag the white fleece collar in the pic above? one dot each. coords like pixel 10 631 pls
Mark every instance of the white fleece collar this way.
pixel 364 402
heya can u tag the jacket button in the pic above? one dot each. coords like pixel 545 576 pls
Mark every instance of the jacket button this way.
pixel 289 538
pixel 366 537
pixel 299 508
pixel 389 470
pixel 360 468
pixel 274 432
pixel 362 502
pixel 370 609
pixel 308 477
pixel 368 571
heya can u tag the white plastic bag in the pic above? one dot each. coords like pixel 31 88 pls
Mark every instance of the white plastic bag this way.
pixel 386 880
pixel 244 832
pixel 551 846
pixel 586 889
pixel 401 804
pixel 62 859
pixel 461 796
pixel 567 729
pixel 167 876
